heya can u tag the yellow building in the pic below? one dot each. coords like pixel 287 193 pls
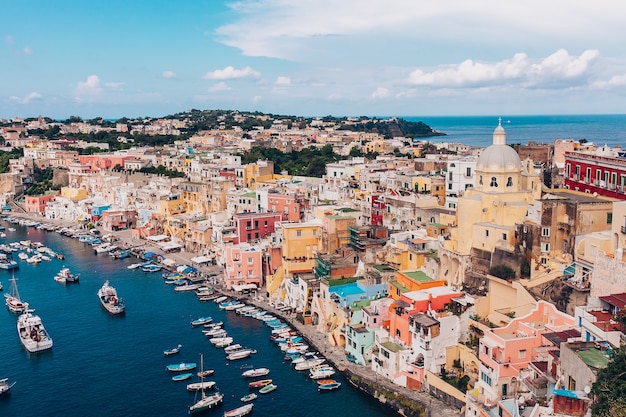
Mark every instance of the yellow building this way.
pixel 171 206
pixel 486 215
pixel 335 232
pixel 261 171
pixel 300 245
pixel 194 196
pixel 74 194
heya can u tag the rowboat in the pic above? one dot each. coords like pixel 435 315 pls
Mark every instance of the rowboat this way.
pixel 181 367
pixel 250 397
pixel 182 377
pixel 329 387
pixel 268 388
pixel 239 411
pixel 260 383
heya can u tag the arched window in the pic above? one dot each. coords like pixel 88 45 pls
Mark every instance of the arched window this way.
pixel 494 182
pixel 509 182
pixel 480 180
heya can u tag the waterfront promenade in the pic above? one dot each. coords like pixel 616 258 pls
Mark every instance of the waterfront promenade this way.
pixel 334 354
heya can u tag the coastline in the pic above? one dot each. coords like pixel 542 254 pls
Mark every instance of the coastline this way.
pixel 367 381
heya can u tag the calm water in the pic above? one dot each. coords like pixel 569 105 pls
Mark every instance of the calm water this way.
pixel 108 365
pixel 478 130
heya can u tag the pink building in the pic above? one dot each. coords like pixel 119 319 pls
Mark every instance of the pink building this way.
pixel 244 266
pixel 288 205
pixel 103 162
pixel 252 226
pixel 37 203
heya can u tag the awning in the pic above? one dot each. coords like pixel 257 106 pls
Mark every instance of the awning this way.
pixel 200 259
pixel 168 262
pixel 170 246
pixel 244 287
pixel 158 238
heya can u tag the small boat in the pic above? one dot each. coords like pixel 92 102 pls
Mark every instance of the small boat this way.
pixel 201 321
pixel 109 299
pixel 268 388
pixel 253 373
pixel 240 354
pixel 260 383
pixel 5 386
pixel 233 348
pixel 221 341
pixel 31 331
pixel 133 266
pixel 205 373
pixel 325 381
pixel 329 387
pixel 151 268
pixel 199 386
pixel 22 256
pixel 182 377
pixel 183 366
pixel 64 276
pixel 172 351
pixel 206 401
pixel 308 364
pixel 244 410
pixel 250 397
pixel 321 372
pixel 13 300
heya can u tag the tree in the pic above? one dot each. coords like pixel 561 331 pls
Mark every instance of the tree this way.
pixel 502 271
pixel 610 387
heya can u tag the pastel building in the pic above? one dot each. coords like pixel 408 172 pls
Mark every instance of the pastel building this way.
pixel 244 265
pixel 37 203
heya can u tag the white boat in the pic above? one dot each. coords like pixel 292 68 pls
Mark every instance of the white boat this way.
pixel 240 354
pixel 22 256
pixel 187 287
pixel 103 248
pixel 206 401
pixel 172 351
pixel 31 332
pixel 244 410
pixel 321 372
pixel 64 276
pixel 199 386
pixel 308 364
pixel 35 259
pixel 220 299
pixel 12 299
pixel 234 306
pixel 253 373
pixel 5 386
pixel 109 299
pixel 133 266
pixel 233 348
pixel 221 340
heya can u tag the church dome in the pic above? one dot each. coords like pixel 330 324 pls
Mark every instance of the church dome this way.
pixel 499 157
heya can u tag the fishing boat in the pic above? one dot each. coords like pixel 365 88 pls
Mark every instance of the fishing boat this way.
pixel 201 321
pixel 31 331
pixel 182 377
pixel 172 351
pixel 199 386
pixel 64 276
pixel 250 397
pixel 5 386
pixel 109 299
pixel 260 383
pixel 329 387
pixel 7 263
pixel 183 366
pixel 206 401
pixel 253 373
pixel 244 410
pixel 12 299
pixel 268 388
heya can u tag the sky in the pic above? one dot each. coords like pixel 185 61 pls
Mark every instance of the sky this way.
pixel 139 58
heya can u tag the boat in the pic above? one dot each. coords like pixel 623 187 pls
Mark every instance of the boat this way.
pixel 172 351
pixel 183 366
pixel 187 287
pixel 65 276
pixel 244 410
pixel 133 266
pixel 206 401
pixel 329 387
pixel 31 331
pixel 12 299
pixel 253 373
pixel 325 381
pixel 151 268
pixel 22 256
pixel 201 321
pixel 199 386
pixel 240 354
pixel 182 377
pixel 268 388
pixel 321 372
pixel 221 341
pixel 308 364
pixel 260 383
pixel 250 397
pixel 109 299
pixel 205 373
pixel 7 263
pixel 5 386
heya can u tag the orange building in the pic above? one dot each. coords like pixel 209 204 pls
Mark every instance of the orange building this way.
pixel 103 162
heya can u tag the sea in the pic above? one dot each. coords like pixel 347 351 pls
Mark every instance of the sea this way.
pixel 608 129
pixel 104 365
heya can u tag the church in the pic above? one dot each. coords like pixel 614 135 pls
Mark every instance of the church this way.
pixel 482 232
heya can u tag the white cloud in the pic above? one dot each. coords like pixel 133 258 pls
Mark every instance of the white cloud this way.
pixel 88 89
pixel 9 39
pixel 613 82
pixel 27 51
pixel 168 74
pixel 221 86
pixel 380 93
pixel 558 67
pixel 231 73
pixel 282 80
pixel 26 99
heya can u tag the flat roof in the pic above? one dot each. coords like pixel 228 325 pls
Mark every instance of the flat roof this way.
pixel 418 276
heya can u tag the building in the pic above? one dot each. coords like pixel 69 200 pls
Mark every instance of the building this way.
pixel 254 226
pixel 600 173
pixel 37 203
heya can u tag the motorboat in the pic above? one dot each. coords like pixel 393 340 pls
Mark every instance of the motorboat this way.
pixel 31 331
pixel 183 366
pixel 64 276
pixel 329 387
pixel 182 377
pixel 253 373
pixel 250 397
pixel 260 383
pixel 5 386
pixel 109 299
pixel 233 348
pixel 308 364
pixel 200 321
pixel 133 266
pixel 240 354
pixel 199 386
pixel 321 372
pixel 221 341
pixel 268 388
pixel 244 410
pixel 151 268
pixel 172 351
pixel 205 373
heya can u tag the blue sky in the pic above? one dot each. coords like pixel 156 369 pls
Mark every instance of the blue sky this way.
pixel 312 57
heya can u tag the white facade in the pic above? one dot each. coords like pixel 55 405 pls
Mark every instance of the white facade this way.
pixel 460 177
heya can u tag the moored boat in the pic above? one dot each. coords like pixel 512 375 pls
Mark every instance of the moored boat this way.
pixel 182 377
pixel 109 299
pixel 268 388
pixel 172 351
pixel 201 321
pixel 31 332
pixel 260 383
pixel 244 410
pixel 253 373
pixel 250 397
pixel 321 372
pixel 205 373
pixel 5 386
pixel 199 386
pixel 329 387
pixel 64 276
pixel 240 354
pixel 12 299
pixel 183 366
pixel 206 401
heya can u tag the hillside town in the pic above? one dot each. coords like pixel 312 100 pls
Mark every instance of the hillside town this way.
pixel 492 278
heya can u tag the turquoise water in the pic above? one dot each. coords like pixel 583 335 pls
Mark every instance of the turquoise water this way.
pixel 110 365
pixel 478 130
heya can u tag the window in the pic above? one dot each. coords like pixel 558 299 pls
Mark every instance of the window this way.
pixel 509 182
pixel 609 218
pixel 503 236
pixel 299 233
pixel 545 231
pixel 450 176
pixel 545 247
pixel 480 180
pixel 522 354
pixel 250 261
pixel 468 172
pixel 449 186
pixel 487 233
pixel 314 232
pixel 494 182
pixel 588 175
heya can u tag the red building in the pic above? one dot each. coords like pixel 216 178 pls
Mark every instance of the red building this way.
pixel 37 203
pixel 378 209
pixel 252 226
pixel 591 174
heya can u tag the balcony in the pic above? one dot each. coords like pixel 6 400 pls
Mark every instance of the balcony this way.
pixel 623 229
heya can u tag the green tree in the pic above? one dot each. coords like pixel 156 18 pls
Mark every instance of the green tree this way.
pixel 610 387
